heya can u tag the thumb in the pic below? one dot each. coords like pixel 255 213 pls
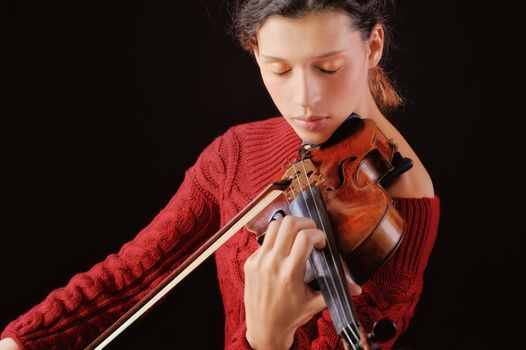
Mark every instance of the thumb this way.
pixel 354 288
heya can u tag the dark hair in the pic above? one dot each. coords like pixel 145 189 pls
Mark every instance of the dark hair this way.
pixel 249 16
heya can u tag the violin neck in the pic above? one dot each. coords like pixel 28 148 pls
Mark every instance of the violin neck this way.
pixel 328 270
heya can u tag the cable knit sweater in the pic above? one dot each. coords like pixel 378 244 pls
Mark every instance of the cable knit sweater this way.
pixel 231 171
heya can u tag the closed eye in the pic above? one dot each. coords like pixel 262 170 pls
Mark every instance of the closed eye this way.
pixel 282 73
pixel 324 71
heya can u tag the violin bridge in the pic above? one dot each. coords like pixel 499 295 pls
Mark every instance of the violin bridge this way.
pixel 303 175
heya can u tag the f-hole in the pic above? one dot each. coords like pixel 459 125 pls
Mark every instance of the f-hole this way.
pixel 340 173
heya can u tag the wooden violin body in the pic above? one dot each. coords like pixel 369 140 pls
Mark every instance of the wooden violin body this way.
pixel 347 170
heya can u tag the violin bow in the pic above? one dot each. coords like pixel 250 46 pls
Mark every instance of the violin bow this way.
pixel 267 196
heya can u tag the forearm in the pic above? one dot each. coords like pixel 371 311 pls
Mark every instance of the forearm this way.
pixel 72 316
pixel 394 290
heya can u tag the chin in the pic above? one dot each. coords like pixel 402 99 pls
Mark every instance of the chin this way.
pixel 314 138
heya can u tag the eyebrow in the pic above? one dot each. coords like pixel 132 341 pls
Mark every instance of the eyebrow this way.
pixel 327 54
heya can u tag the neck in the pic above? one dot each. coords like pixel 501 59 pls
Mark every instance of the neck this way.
pixel 369 108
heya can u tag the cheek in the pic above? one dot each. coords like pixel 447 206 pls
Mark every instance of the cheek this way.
pixel 277 88
pixel 349 89
pixel 350 82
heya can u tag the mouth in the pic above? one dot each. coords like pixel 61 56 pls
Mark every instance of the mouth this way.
pixel 310 123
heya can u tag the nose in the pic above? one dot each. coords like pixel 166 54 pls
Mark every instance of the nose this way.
pixel 306 90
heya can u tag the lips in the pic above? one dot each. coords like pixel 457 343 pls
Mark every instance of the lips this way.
pixel 310 123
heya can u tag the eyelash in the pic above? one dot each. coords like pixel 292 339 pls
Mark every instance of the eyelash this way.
pixel 324 71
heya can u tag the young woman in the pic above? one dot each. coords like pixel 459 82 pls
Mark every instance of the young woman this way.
pixel 320 61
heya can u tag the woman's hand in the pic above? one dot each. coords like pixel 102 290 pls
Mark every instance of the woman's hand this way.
pixel 277 300
pixel 8 344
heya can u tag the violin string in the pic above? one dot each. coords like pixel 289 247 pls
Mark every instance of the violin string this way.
pixel 332 284
pixel 334 255
pixel 333 287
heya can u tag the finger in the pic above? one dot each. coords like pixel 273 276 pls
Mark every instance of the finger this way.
pixel 316 302
pixel 305 241
pixel 288 230
pixel 270 235
pixel 354 289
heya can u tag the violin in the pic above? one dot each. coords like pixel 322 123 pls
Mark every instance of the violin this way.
pixel 338 184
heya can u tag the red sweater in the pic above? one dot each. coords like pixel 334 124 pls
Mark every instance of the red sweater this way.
pixel 231 171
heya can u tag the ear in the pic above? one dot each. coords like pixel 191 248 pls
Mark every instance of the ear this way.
pixel 255 49
pixel 375 46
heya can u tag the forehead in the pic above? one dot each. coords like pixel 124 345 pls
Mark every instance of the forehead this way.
pixel 315 33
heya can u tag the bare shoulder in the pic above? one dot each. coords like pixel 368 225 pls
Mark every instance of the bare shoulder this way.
pixel 415 183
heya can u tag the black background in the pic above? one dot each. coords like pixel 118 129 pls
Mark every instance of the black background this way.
pixel 99 98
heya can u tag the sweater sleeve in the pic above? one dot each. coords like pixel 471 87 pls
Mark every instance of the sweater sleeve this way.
pixel 392 292
pixel 395 289
pixel 72 316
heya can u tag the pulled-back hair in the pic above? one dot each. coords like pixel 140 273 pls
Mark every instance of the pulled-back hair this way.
pixel 249 16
